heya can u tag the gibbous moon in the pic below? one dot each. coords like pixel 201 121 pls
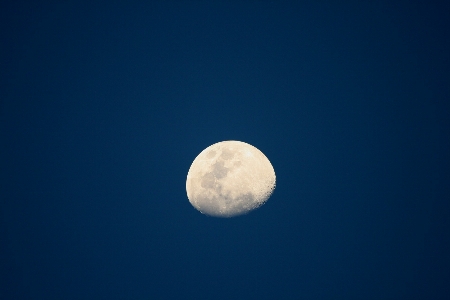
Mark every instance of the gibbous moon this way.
pixel 229 178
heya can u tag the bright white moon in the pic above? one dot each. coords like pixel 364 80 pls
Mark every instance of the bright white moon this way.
pixel 229 178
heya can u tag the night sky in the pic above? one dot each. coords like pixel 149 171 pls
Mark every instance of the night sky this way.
pixel 105 105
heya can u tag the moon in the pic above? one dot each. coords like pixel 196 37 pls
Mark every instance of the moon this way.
pixel 230 178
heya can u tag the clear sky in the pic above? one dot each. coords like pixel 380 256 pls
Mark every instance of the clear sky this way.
pixel 105 104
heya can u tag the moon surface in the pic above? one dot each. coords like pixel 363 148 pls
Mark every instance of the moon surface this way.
pixel 229 178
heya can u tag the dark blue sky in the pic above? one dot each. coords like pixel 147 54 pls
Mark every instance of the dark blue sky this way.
pixel 104 106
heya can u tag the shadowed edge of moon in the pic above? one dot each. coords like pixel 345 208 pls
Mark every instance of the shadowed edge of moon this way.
pixel 239 205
